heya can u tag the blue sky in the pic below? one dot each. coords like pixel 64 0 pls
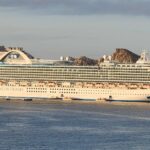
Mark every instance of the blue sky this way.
pixel 51 28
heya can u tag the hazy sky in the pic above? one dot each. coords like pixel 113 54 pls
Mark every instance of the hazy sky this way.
pixel 51 28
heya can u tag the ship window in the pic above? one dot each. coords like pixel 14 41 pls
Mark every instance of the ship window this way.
pixel 13 56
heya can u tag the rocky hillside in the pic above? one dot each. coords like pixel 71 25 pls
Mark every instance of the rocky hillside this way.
pixel 84 61
pixel 2 48
pixel 124 56
pixel 120 55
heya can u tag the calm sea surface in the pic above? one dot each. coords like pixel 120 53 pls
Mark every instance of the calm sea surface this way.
pixel 74 126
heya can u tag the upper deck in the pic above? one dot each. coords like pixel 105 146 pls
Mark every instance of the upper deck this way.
pixel 19 65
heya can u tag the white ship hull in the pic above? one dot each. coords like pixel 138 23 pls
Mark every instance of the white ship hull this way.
pixel 76 93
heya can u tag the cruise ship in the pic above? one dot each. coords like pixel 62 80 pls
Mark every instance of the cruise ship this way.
pixel 23 76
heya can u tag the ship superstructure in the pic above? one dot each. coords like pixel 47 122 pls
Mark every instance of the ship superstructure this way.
pixel 22 75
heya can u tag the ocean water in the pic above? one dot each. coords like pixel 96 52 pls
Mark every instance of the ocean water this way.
pixel 74 126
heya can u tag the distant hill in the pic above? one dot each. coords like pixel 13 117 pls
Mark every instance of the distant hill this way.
pixel 124 56
pixel 120 55
pixel 85 61
pixel 2 49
